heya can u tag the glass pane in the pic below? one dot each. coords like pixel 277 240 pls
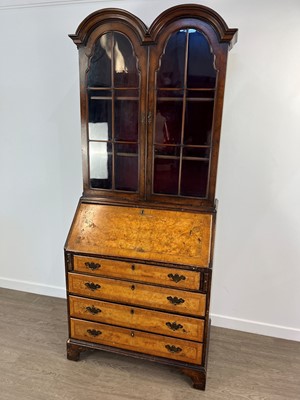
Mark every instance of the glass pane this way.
pixel 100 165
pixel 194 177
pixel 127 94
pixel 99 74
pixel 167 150
pixel 201 72
pixel 173 94
pixel 198 122
pixel 171 71
pixel 166 173
pixel 125 148
pixel 202 152
pixel 98 94
pixel 206 95
pixel 125 63
pixel 168 122
pixel 126 120
pixel 126 173
pixel 100 116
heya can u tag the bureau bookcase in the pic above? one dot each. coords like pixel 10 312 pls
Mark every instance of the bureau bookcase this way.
pixel 140 249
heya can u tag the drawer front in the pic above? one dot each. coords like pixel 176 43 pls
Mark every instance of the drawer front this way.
pixel 138 272
pixel 147 343
pixel 137 318
pixel 136 293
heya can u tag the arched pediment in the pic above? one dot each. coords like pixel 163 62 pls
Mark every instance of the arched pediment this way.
pixel 193 11
pixel 106 16
pixel 148 36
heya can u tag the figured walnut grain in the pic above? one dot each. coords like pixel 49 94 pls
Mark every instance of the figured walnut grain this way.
pixel 146 234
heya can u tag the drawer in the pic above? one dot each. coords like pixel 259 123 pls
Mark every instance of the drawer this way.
pixel 142 342
pixel 138 272
pixel 138 294
pixel 137 318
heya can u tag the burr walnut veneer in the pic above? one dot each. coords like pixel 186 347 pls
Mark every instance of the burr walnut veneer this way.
pixel 140 249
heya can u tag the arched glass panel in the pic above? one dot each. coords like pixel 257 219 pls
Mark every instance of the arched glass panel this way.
pixel 113 88
pixel 185 91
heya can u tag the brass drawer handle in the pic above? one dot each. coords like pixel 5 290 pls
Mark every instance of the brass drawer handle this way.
pixel 175 300
pixel 93 310
pixel 176 278
pixel 94 332
pixel 173 349
pixel 174 326
pixel 93 266
pixel 92 286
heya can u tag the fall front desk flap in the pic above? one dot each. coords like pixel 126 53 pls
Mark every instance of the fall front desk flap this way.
pixel 142 233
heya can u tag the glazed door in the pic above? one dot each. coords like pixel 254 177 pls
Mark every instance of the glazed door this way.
pixel 185 117
pixel 113 78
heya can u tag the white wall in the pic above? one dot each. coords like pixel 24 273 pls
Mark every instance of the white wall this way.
pixel 257 258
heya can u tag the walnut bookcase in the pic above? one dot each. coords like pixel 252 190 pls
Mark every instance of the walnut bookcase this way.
pixel 140 249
